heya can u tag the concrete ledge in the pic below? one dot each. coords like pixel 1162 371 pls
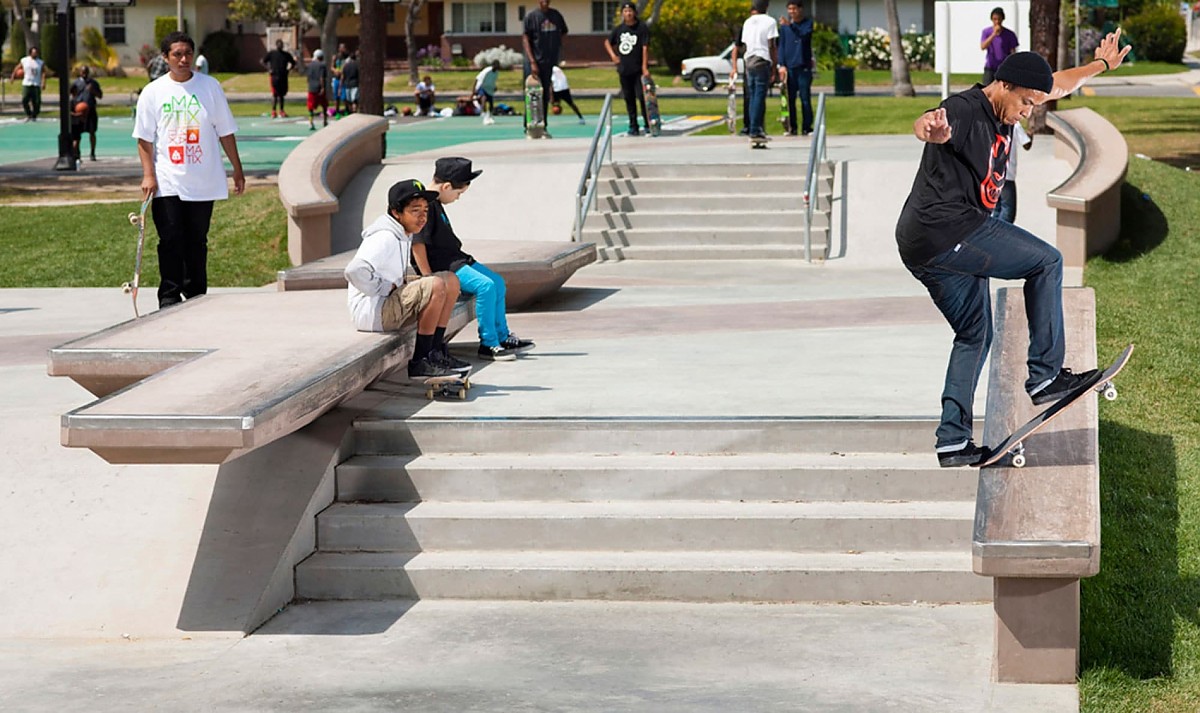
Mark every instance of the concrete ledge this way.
pixel 1088 203
pixel 531 269
pixel 316 172
pixel 220 376
pixel 1037 528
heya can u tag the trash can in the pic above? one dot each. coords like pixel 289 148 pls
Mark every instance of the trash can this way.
pixel 843 81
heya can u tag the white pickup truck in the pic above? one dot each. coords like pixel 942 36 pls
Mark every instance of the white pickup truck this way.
pixel 706 72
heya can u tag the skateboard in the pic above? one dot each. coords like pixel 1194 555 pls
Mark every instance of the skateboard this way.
pixel 653 120
pixel 138 219
pixel 1014 445
pixel 449 385
pixel 759 142
pixel 731 107
pixel 535 121
pixel 785 116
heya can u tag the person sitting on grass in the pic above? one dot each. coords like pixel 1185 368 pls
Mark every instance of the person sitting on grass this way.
pixel 380 297
pixel 437 248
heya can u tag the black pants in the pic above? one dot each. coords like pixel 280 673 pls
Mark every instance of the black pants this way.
pixel 182 247
pixel 544 69
pixel 31 100
pixel 565 96
pixel 631 89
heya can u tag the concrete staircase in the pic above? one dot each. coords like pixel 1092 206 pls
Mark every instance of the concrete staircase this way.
pixel 706 211
pixel 706 510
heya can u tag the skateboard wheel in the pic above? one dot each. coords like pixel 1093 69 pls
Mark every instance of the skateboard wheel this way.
pixel 466 383
pixel 462 394
pixel 133 218
pixel 1018 460
pixel 429 394
pixel 1110 393
pixel 127 288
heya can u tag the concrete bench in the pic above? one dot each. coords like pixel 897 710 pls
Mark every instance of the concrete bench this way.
pixel 316 172
pixel 217 377
pixel 1037 528
pixel 1088 203
pixel 531 270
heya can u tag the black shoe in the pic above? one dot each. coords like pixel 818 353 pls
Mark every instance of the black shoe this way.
pixel 496 353
pixel 446 359
pixel 634 132
pixel 1063 384
pixel 513 343
pixel 970 454
pixel 428 367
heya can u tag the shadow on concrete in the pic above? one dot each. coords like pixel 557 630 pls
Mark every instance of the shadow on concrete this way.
pixel 571 299
pixel 1143 225
pixel 313 619
pixel 1128 611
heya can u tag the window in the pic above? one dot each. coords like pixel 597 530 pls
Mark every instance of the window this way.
pixel 479 18
pixel 604 14
pixel 114 25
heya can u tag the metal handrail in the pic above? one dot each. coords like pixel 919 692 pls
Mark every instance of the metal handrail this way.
pixel 601 146
pixel 816 155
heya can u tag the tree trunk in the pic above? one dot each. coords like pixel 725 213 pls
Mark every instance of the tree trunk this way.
pixel 1043 31
pixel 414 14
pixel 371 49
pixel 31 40
pixel 329 40
pixel 901 80
pixel 654 10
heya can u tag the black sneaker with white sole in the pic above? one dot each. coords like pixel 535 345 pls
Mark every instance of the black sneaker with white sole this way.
pixel 426 367
pixel 969 454
pixel 513 343
pixel 1063 384
pixel 449 360
pixel 496 353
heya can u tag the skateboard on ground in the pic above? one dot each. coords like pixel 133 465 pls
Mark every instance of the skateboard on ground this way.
pixel 535 120
pixel 653 120
pixel 137 219
pixel 1014 445
pixel 731 107
pixel 759 142
pixel 450 385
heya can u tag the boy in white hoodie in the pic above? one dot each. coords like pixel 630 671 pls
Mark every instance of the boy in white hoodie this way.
pixel 380 297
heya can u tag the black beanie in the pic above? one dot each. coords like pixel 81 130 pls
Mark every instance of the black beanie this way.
pixel 1026 69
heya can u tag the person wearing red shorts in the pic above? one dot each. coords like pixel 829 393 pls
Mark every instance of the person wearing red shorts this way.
pixel 318 97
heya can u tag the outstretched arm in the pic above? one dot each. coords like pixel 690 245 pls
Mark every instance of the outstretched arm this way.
pixel 932 127
pixel 1108 56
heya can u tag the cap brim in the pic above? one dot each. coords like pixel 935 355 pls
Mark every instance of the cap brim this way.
pixel 475 174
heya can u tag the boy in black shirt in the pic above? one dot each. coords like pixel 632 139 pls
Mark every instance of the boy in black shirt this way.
pixel 627 45
pixel 436 248
pixel 949 241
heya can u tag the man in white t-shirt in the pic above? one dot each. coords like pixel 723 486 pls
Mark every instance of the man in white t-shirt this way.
pixel 183 121
pixel 759 37
pixel 31 71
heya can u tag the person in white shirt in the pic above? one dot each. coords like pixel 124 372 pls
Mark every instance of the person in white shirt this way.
pixel 562 92
pixel 485 90
pixel 426 94
pixel 759 36
pixel 182 123
pixel 1006 206
pixel 31 71
pixel 201 65
pixel 382 298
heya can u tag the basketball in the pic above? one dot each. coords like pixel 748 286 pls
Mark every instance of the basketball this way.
pixel 556 109
pixel 20 72
pixel 80 109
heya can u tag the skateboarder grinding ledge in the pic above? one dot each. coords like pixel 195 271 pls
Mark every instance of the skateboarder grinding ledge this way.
pixel 949 241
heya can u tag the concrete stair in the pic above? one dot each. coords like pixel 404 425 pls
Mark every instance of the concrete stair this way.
pixel 699 211
pixel 698 510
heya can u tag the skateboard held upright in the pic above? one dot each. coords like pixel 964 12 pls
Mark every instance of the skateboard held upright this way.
pixel 139 220
pixel 731 107
pixel 535 117
pixel 1101 383
pixel 653 120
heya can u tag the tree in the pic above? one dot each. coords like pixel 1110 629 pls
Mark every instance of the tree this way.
pixel 371 49
pixel 694 27
pixel 901 80
pixel 654 11
pixel 414 13
pixel 1043 31
pixel 329 27
pixel 31 39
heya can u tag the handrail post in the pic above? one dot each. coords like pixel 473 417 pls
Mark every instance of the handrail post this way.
pixel 591 167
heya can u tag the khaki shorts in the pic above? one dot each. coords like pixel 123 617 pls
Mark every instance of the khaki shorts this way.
pixel 404 304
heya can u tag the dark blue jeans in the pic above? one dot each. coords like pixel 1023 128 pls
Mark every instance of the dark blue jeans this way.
pixel 758 79
pixel 1006 207
pixel 799 83
pixel 957 281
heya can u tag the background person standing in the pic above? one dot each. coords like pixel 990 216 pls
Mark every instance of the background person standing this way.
pixel 998 42
pixel 84 90
pixel 278 63
pixel 544 31
pixel 31 70
pixel 759 34
pixel 183 121
pixel 628 46
pixel 318 79
pixel 796 65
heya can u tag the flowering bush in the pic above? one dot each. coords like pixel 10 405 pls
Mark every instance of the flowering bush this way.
pixel 507 58
pixel 873 48
pixel 430 56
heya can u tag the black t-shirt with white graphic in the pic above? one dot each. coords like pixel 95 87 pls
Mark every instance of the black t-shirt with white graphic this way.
pixel 959 181
pixel 442 246
pixel 628 42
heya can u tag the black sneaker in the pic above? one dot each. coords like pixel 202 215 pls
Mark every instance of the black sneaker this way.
pixel 428 367
pixel 1063 384
pixel 970 454
pixel 513 343
pixel 496 353
pixel 445 358
pixel 634 132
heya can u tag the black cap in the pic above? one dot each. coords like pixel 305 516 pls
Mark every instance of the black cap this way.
pixel 1026 69
pixel 401 193
pixel 455 169
pixel 627 4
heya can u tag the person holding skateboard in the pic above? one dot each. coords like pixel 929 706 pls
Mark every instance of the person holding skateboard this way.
pixel 380 296
pixel 949 241
pixel 182 123
pixel 629 47
pixel 437 248
pixel 796 66
pixel 759 34
pixel 544 30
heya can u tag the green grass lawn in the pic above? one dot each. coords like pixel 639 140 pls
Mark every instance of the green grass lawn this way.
pixel 1141 613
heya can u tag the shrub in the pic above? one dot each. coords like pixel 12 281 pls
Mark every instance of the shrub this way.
pixel 695 27
pixel 16 42
pixel 1158 34
pixel 506 57
pixel 827 47
pixel 48 39
pixel 430 56
pixel 98 55
pixel 220 48
pixel 873 48
pixel 146 53
pixel 163 26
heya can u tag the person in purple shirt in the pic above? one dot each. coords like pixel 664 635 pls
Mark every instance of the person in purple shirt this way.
pixel 998 42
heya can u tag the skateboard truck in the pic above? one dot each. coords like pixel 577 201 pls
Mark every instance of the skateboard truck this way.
pixel 1106 388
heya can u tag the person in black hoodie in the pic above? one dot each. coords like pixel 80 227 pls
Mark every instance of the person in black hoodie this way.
pixel 950 242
